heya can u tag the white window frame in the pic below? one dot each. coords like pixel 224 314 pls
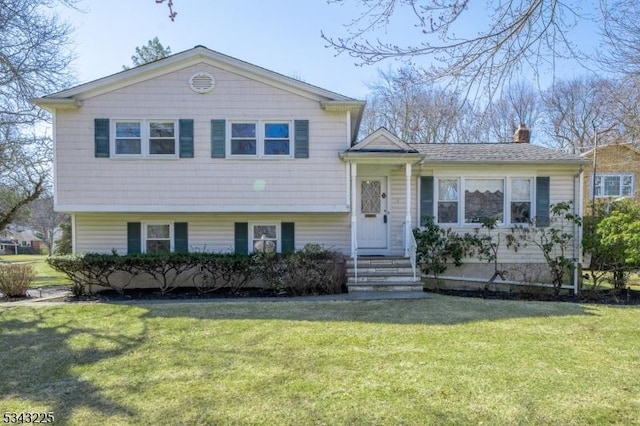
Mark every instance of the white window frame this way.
pixel 145 136
pixel 462 187
pixel 278 238
pixel 437 201
pixel 145 235
pixel 509 199
pixel 621 176
pixel 260 139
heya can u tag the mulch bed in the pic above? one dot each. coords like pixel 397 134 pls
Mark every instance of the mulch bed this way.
pixel 606 297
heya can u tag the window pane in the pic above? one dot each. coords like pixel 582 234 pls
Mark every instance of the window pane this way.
pixel 158 246
pixel 370 193
pixel 276 147
pixel 243 130
pixel 243 147
pixel 161 130
pixel 448 212
pixel 520 212
pixel 448 189
pixel 127 130
pixel 276 130
pixel 162 146
pixel 158 231
pixel 521 190
pixel 611 186
pixel 128 146
pixel 484 198
pixel 264 246
pixel 264 231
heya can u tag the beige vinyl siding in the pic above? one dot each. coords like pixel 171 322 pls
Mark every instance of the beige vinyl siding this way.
pixel 102 232
pixel 103 184
pixel 561 189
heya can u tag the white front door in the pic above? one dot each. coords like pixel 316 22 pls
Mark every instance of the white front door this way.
pixel 372 215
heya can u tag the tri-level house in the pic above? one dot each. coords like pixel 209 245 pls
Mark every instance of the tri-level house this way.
pixel 204 152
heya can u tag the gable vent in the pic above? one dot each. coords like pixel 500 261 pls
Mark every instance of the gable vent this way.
pixel 202 82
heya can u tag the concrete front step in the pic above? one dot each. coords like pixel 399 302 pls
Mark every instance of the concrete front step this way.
pixel 378 277
pixel 384 287
pixel 380 270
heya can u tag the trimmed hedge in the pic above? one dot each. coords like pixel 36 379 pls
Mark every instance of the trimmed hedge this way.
pixel 312 270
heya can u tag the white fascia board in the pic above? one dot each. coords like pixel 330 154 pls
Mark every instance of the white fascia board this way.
pixel 146 208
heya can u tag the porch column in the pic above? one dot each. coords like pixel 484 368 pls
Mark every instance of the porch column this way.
pixel 354 211
pixel 407 208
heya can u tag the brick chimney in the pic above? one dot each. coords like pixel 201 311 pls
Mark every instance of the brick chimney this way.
pixel 522 134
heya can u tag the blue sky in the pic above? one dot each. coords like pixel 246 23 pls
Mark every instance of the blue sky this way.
pixel 280 35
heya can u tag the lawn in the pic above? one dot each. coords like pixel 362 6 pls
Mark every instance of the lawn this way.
pixel 45 275
pixel 444 360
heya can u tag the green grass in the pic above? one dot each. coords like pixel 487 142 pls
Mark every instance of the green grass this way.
pixel 444 360
pixel 45 275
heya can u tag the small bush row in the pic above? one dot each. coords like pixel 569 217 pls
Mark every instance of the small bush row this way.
pixel 311 270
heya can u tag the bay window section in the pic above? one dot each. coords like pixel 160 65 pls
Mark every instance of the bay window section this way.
pixel 521 196
pixel 484 198
pixel 447 200
pixel 243 139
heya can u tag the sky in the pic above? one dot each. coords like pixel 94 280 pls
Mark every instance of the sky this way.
pixel 280 35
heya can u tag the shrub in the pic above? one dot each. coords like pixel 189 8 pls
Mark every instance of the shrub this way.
pixel 312 270
pixel 224 270
pixel 16 279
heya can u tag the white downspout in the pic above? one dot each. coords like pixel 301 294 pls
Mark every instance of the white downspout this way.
pixel 354 220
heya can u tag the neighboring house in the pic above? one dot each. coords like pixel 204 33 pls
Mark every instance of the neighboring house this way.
pixel 617 168
pixel 8 246
pixel 203 152
pixel 25 239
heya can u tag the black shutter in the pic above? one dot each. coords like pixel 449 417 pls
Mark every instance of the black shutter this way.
pixel 186 138
pixel 241 237
pixel 426 198
pixel 288 237
pixel 218 138
pixel 181 237
pixel 134 237
pixel 543 206
pixel 101 137
pixel 301 132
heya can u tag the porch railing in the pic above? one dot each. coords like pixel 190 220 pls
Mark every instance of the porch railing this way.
pixel 411 247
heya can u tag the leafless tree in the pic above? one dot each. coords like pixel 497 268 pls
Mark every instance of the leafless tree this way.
pixel 415 111
pixel 519 104
pixel 621 28
pixel 34 60
pixel 44 220
pixel 521 35
pixel 574 107
pixel 24 171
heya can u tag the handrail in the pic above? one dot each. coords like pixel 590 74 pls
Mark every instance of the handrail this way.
pixel 411 247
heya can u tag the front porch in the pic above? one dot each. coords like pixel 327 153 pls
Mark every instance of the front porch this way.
pixel 383 214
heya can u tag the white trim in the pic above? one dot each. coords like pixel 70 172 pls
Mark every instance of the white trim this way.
pixel 173 208
pixel 74 243
pixel 260 139
pixel 143 242
pixel 145 136
pixel 354 212
pixel 278 239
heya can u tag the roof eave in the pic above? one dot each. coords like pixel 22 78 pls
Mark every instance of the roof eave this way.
pixel 52 104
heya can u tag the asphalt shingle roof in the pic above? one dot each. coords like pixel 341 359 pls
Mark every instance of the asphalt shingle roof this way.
pixel 493 153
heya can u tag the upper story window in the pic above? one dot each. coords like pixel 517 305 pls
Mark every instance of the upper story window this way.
pixel 260 139
pixel 154 138
pixel 614 185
